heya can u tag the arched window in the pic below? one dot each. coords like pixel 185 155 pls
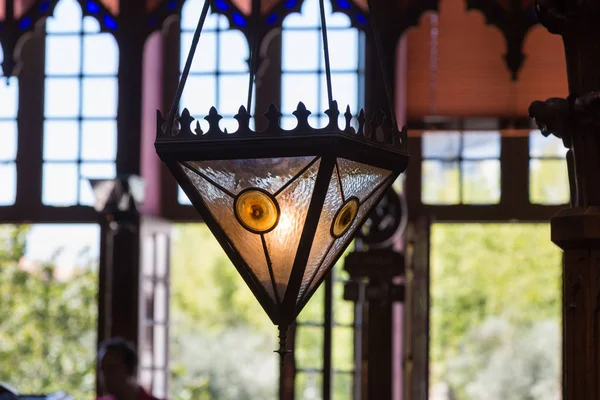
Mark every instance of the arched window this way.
pixel 219 72
pixel 80 107
pixel 9 100
pixel 319 368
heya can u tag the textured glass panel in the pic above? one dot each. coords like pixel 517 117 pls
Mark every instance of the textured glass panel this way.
pixel 282 242
pixel 308 347
pixel 343 386
pixel 359 179
pixel 8 182
pixel 59 186
pixel 309 385
pixel 63 55
pixel 343 348
pixel 99 140
pixel 269 174
pixel 100 97
pixel 61 140
pixel 340 243
pixel 548 182
pixel 323 239
pixel 440 182
pixel 540 146
pixel 247 244
pixel 481 182
pixel 481 145
pixel 100 54
pixel 8 138
pixel 441 145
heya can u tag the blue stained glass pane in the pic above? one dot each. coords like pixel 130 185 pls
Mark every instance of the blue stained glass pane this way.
pixel 221 5
pixel 172 5
pixel 291 3
pixel 44 6
pixel 239 19
pixel 25 23
pixel 361 18
pixel 92 7
pixel 345 4
pixel 271 19
pixel 109 22
pixel 153 21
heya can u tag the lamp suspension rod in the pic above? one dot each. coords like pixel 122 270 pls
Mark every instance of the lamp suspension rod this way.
pixel 9 10
pixel 254 51
pixel 326 52
pixel 188 65
pixel 384 71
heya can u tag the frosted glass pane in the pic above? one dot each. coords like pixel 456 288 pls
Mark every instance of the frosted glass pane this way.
pixel 61 140
pixel 343 49
pixel 359 179
pixel 100 97
pixel 269 174
pixel 91 25
pixel 59 184
pixel 61 97
pixel 341 243
pixel 9 140
pixel 199 95
pixel 299 87
pixel 9 98
pixel 205 58
pixel 67 17
pixel 323 238
pixel 100 55
pixel 8 182
pixel 63 55
pixel 247 244
pixel 234 52
pixel 233 93
pixel 99 140
pixel 282 242
pixel 345 91
pixel 300 50
pixel 190 13
pixel 309 16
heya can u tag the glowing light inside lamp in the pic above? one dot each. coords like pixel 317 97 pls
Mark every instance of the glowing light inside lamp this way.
pixel 257 211
pixel 344 218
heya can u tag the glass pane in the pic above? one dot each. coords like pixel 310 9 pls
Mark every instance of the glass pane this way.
pixel 343 349
pixel 296 88
pixel 8 138
pixel 63 55
pixel 441 145
pixel 100 55
pixel 345 91
pixel 9 98
pixel 160 345
pixel 61 97
pixel 99 97
pixel 8 182
pixel 91 25
pixel 190 13
pixel 145 357
pixel 158 384
pixel 309 18
pixel 162 254
pixel 309 347
pixel 300 50
pixel 148 246
pixel 67 18
pixel 440 182
pixel 61 140
pixel 359 180
pixel 481 182
pixel 93 171
pixel 205 58
pixel 99 140
pixel 59 186
pixel 161 302
pixel 314 310
pixel 540 146
pixel 233 52
pixel 233 93
pixel 247 244
pixel 309 386
pixel 481 145
pixel 288 122
pixel 343 49
pixel 199 96
pixel 282 242
pixel 343 386
pixel 182 197
pixel 548 182
pixel 343 312
pixel 146 379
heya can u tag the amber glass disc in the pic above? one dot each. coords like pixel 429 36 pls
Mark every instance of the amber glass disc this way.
pixel 344 218
pixel 256 210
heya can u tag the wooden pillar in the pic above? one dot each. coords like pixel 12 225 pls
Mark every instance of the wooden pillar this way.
pixel 576 230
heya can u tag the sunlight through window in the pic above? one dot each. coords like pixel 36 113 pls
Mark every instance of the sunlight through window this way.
pixel 9 104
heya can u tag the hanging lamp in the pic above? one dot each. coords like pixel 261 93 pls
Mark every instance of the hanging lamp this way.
pixel 283 204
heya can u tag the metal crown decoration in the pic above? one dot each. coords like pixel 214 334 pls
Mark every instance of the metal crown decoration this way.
pixel 283 203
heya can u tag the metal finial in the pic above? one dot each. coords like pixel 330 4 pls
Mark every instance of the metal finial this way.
pixel 282 343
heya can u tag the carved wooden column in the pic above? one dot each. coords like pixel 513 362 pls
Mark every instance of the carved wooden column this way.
pixel 576 230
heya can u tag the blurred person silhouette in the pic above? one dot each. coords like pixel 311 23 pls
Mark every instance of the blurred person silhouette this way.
pixel 118 371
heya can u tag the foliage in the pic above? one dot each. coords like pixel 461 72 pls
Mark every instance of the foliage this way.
pixel 484 271
pixel 48 325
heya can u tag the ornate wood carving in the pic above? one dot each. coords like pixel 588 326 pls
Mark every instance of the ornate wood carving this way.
pixel 514 18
